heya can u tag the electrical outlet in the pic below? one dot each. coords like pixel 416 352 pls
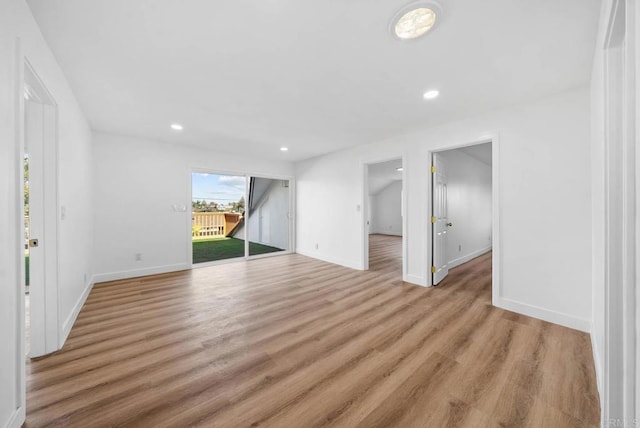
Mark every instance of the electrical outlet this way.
pixel 138 257
pixel 459 247
pixel 316 246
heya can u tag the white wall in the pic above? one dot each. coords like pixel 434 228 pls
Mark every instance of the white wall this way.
pixel 386 210
pixel 544 178
pixel 74 192
pixel 137 182
pixel 468 206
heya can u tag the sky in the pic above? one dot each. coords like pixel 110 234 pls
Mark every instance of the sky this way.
pixel 222 189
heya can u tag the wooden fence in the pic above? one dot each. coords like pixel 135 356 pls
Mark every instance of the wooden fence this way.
pixel 205 225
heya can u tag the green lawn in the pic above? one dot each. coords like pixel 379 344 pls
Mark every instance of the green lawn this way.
pixel 209 250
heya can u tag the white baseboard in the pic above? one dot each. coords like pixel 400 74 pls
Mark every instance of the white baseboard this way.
pixel 68 323
pixel 387 233
pixel 544 314
pixel 416 280
pixel 461 260
pixel 134 273
pixel 17 418
pixel 329 259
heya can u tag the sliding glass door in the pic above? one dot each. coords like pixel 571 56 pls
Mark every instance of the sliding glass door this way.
pixel 238 216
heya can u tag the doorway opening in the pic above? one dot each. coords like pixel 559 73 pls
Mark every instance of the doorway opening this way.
pixel 384 220
pixel 462 225
pixel 217 210
pixel 39 165
pixel 238 216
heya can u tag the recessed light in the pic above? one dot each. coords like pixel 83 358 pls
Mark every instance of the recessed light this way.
pixel 400 169
pixel 429 95
pixel 284 149
pixel 414 22
pixel 176 127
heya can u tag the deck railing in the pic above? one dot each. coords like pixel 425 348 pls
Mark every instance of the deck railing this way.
pixel 205 225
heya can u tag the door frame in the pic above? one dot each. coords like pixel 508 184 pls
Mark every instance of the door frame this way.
pixel 48 331
pixel 620 400
pixel 365 210
pixel 247 176
pixel 54 335
pixel 496 242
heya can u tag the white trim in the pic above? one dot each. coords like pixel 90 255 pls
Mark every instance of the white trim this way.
pixel 416 280
pixel 630 290
pixel 544 314
pixel 365 216
pixel 634 19
pixel 619 362
pixel 189 216
pixel 17 418
pixel 461 260
pixel 399 234
pixel 134 273
pixel 239 259
pixel 346 263
pixel 496 228
pixel 71 319
pixel 267 255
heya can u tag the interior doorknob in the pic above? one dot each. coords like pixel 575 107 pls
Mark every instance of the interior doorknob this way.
pixel 449 224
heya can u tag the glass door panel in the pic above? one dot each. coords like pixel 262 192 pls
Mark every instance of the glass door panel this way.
pixel 268 222
pixel 217 216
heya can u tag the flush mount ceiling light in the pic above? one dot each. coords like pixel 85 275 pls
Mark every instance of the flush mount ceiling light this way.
pixel 429 95
pixel 415 20
pixel 284 149
pixel 176 127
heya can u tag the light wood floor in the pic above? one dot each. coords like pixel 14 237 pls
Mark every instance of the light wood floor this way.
pixel 291 341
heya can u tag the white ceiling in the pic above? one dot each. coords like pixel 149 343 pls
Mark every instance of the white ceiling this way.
pixel 382 174
pixel 317 76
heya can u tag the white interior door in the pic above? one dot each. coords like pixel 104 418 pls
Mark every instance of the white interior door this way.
pixel 439 220
pixel 34 140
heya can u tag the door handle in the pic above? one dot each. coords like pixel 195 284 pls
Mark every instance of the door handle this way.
pixel 449 224
pixel 33 243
